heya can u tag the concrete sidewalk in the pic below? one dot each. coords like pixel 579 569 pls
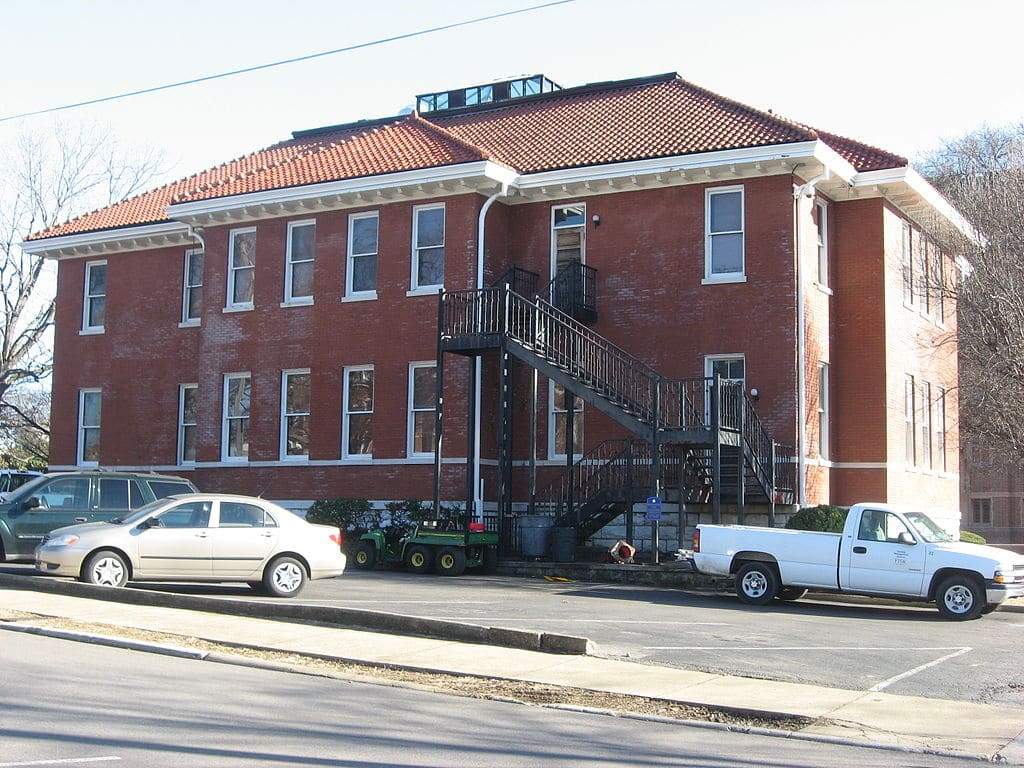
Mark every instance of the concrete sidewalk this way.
pixel 897 722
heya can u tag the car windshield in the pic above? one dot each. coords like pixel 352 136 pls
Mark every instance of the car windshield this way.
pixel 927 528
pixel 139 513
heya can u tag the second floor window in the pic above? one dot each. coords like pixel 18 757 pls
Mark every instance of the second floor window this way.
pixel 192 294
pixel 94 310
pixel 361 275
pixel 723 242
pixel 821 209
pixel 235 429
pixel 241 268
pixel 298 281
pixel 428 247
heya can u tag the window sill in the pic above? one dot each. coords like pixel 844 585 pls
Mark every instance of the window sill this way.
pixel 295 459
pixel 303 302
pixel 824 289
pixel 189 324
pixel 363 458
pixel 238 308
pixel 92 331
pixel 234 459
pixel 723 279
pixel 430 290
pixel 363 296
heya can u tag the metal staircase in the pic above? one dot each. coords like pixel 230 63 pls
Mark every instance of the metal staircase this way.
pixel 701 435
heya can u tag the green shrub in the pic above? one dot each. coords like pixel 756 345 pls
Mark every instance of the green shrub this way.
pixel 820 518
pixel 350 515
pixel 972 538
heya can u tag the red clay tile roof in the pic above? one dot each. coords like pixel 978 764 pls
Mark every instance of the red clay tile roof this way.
pixel 661 116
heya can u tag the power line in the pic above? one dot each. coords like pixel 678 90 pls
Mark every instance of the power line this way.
pixel 258 67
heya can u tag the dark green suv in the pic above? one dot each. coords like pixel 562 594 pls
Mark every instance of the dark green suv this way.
pixel 65 498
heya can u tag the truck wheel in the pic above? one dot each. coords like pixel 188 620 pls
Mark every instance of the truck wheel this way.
pixel 989 608
pixel 419 559
pixel 756 583
pixel 365 557
pixel 960 598
pixel 789 594
pixel 451 561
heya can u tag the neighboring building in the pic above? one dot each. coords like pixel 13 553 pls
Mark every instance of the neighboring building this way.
pixel 270 326
pixel 992 497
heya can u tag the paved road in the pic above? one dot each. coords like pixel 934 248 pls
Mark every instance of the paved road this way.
pixel 70 704
pixel 901 649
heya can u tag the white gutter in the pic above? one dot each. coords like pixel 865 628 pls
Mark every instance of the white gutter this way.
pixel 478 501
pixel 799 192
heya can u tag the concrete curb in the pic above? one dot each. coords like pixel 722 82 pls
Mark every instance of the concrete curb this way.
pixel 244 661
pixel 546 642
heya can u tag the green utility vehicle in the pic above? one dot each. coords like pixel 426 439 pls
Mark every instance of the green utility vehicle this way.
pixel 428 547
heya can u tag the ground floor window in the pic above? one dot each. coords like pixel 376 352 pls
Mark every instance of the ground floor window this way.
pixel 357 428
pixel 558 439
pixel 295 414
pixel 422 408
pixel 235 432
pixel 89 411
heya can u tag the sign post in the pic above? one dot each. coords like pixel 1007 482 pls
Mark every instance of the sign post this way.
pixel 654 518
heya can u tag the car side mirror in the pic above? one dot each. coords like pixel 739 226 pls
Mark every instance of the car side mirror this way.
pixel 152 522
pixel 33 502
pixel 906 538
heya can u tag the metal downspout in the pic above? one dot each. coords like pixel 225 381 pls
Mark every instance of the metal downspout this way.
pixel 478 505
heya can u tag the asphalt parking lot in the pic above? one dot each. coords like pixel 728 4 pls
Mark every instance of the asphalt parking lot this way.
pixel 859 645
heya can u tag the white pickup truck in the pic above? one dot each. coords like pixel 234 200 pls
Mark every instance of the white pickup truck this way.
pixel 883 550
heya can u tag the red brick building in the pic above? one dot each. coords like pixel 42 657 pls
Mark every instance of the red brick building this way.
pixel 271 326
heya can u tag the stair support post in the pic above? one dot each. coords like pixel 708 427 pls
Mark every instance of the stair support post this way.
pixel 629 491
pixel 716 451
pixel 741 480
pixel 504 447
pixel 570 451
pixel 438 404
pixel 771 492
pixel 655 461
pixel 474 361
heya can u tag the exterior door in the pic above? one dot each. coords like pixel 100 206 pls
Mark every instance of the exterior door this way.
pixel 243 539
pixel 880 562
pixel 180 547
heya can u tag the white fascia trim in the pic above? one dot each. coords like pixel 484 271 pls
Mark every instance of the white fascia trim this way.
pixel 919 186
pixel 46 247
pixel 486 169
pixel 834 162
pixel 776 152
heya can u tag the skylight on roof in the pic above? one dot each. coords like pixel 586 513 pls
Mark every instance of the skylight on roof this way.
pixel 477 95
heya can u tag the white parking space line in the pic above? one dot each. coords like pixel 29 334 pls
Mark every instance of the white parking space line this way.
pixel 720 648
pixel 886 683
pixel 343 601
pixel 591 621
pixel 64 761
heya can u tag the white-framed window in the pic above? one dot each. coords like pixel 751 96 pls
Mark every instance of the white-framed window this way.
pixel 90 407
pixel 923 290
pixel 357 426
pixel 558 433
pixel 824 415
pixel 910 449
pixel 926 425
pixel 235 428
pixel 821 209
pixel 422 408
pixel 363 243
pixel 907 263
pixel 94 307
pixel 568 235
pixel 940 428
pixel 188 422
pixel 981 511
pixel 241 268
pixel 938 272
pixel 730 368
pixel 192 289
pixel 299 259
pixel 295 414
pixel 428 247
pixel 723 235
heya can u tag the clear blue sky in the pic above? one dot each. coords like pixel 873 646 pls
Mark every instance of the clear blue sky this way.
pixel 899 74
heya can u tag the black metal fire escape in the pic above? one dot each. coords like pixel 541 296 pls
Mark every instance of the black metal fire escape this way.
pixel 699 435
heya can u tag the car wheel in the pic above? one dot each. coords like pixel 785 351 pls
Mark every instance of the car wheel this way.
pixel 366 556
pixel 490 564
pixel 419 559
pixel 960 598
pixel 789 594
pixel 106 568
pixel 756 583
pixel 451 561
pixel 285 577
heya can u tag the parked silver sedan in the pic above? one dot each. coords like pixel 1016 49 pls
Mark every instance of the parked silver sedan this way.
pixel 198 537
